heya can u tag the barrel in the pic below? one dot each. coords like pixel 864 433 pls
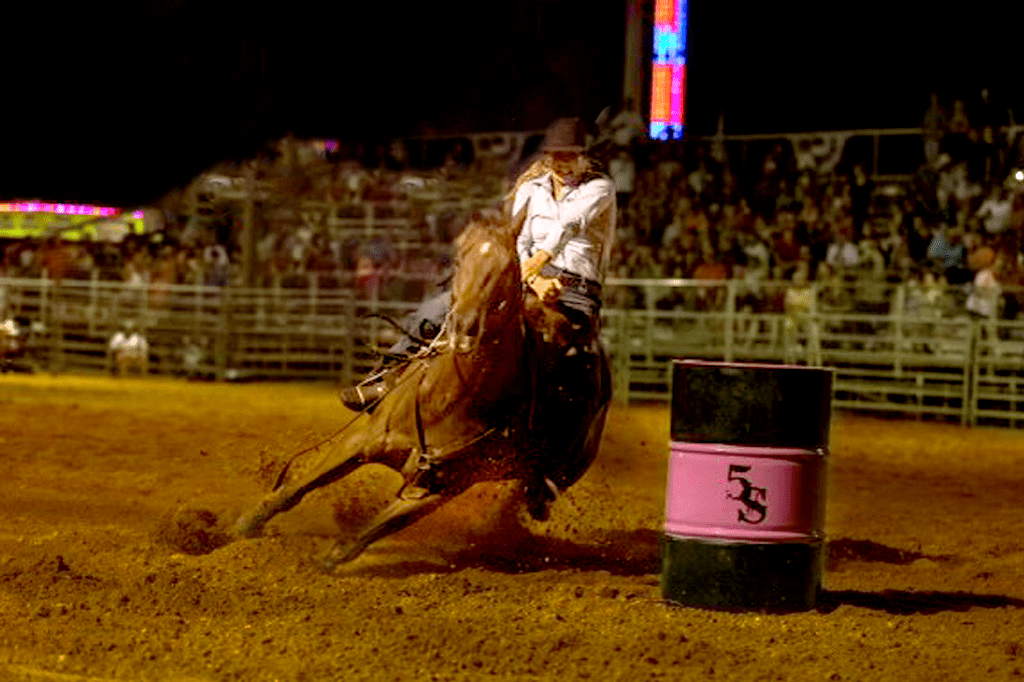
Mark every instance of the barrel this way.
pixel 746 487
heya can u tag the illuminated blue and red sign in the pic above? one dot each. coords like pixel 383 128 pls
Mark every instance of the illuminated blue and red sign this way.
pixel 668 70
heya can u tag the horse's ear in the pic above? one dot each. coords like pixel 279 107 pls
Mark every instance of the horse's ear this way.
pixel 517 221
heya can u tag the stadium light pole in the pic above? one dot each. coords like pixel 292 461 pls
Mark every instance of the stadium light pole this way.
pixel 633 73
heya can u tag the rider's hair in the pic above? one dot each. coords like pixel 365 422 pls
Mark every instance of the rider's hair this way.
pixel 586 169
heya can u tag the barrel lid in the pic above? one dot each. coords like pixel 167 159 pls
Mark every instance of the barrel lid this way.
pixel 751 404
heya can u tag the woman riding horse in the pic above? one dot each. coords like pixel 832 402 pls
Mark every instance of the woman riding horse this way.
pixel 568 211
pixel 563 247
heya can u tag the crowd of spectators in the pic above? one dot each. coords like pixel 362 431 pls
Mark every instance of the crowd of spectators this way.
pixel 687 211
pixel 199 238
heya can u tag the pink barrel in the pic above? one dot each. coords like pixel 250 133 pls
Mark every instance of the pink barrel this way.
pixel 746 486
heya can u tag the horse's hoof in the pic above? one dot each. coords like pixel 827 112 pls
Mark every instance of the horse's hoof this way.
pixel 326 564
pixel 539 510
pixel 249 525
pixel 340 553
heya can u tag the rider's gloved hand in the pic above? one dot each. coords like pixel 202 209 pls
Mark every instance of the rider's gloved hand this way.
pixel 531 266
pixel 547 289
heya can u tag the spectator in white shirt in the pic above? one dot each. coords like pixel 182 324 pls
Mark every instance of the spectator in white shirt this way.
pixel 994 211
pixel 842 254
pixel 622 168
pixel 986 291
pixel 129 350
pixel 626 126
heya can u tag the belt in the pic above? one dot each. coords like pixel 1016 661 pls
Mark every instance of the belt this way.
pixel 573 282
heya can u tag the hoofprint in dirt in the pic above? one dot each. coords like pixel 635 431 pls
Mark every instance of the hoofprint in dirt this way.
pixel 106 485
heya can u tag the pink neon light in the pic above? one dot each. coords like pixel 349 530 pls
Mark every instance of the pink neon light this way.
pixel 678 85
pixel 71 209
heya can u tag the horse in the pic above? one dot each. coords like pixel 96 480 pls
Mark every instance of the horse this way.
pixel 462 410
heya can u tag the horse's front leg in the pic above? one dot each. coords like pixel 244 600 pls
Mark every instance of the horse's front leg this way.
pixel 290 494
pixel 396 516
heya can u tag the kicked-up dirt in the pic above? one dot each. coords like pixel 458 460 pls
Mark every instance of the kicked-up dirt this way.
pixel 116 563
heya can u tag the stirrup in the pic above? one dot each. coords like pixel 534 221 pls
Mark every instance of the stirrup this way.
pixel 362 398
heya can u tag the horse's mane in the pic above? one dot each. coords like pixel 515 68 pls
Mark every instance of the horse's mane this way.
pixel 487 281
pixel 497 222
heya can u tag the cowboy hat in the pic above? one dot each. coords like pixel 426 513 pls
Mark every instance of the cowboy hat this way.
pixel 565 135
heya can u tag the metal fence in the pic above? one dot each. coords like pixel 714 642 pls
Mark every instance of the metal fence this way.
pixel 895 349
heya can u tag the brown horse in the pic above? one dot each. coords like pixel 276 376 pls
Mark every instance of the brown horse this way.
pixel 460 413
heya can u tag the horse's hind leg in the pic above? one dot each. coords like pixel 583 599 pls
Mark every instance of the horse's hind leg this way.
pixel 396 516
pixel 287 496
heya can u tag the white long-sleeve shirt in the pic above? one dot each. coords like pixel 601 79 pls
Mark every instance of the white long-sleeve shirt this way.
pixel 995 213
pixel 577 230
pixel 131 344
pixel 984 298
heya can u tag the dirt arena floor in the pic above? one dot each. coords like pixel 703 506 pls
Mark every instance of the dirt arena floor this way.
pixel 108 488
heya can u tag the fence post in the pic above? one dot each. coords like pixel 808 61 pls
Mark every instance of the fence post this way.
pixel 197 310
pixel 260 317
pixel 625 355
pixel 314 292
pixel 50 319
pixel 897 312
pixel 278 307
pixel 93 300
pixel 730 319
pixel 147 291
pixel 349 342
pixel 971 378
pixel 223 329
pixel 814 329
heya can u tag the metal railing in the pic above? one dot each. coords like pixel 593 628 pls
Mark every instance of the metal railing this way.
pixel 895 349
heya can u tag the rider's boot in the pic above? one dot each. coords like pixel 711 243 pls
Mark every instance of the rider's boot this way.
pixel 364 397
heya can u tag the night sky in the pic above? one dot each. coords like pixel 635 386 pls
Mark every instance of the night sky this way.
pixel 120 102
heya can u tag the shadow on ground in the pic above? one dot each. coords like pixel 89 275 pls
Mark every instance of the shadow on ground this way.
pixel 843 551
pixel 901 602
pixel 620 553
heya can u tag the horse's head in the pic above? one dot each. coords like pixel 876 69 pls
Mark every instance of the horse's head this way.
pixel 486 289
